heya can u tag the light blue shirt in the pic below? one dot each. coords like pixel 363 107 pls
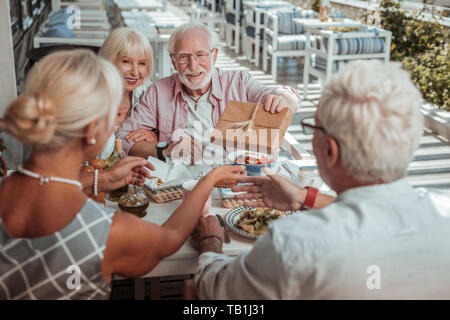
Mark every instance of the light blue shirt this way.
pixel 386 241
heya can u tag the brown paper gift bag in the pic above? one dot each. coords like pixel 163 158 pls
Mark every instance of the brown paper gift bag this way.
pixel 247 126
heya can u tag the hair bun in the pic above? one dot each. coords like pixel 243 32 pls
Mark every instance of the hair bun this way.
pixel 31 119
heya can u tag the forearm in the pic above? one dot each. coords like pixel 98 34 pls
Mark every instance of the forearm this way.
pixel 323 200
pixel 144 149
pixel 210 244
pixel 87 180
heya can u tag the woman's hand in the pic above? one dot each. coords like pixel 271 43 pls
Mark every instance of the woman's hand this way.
pixel 129 170
pixel 227 176
pixel 271 191
pixel 141 135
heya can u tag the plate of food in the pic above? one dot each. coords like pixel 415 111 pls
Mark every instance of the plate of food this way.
pixel 254 162
pixel 252 222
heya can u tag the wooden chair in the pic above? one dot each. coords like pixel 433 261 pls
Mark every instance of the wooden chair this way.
pixel 335 49
pixel 253 26
pixel 233 16
pixel 283 37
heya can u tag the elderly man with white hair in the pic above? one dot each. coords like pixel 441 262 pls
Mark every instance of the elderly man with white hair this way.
pixel 379 239
pixel 197 92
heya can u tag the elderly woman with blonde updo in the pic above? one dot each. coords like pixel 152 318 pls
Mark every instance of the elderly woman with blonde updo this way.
pixel 55 242
pixel 131 52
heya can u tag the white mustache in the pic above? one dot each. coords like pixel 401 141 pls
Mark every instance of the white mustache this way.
pixel 188 73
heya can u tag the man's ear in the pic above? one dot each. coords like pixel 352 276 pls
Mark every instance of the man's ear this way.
pixel 333 152
pixel 215 53
pixel 174 63
pixel 91 131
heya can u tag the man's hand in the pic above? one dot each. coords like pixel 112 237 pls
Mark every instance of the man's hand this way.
pixel 141 135
pixel 129 170
pixel 227 176
pixel 276 103
pixel 208 235
pixel 271 191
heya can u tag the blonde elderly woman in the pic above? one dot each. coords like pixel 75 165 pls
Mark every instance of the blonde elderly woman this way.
pixel 131 52
pixel 379 239
pixel 50 231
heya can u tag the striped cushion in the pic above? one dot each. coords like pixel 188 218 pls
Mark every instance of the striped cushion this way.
pixel 357 45
pixel 251 32
pixel 270 7
pixel 230 17
pixel 285 24
pixel 320 63
pixel 292 42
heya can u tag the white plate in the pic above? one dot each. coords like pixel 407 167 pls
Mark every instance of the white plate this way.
pixel 232 217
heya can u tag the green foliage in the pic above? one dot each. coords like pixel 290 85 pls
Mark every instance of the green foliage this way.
pixel 421 47
pixel 431 73
pixel 316 5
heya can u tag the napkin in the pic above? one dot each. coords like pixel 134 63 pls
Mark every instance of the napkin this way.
pixel 170 172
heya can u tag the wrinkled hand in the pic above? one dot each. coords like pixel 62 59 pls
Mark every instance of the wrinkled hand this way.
pixel 129 170
pixel 227 176
pixel 141 135
pixel 276 103
pixel 207 226
pixel 271 191
pixel 187 148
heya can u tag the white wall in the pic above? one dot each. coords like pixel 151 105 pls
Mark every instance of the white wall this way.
pixel 14 152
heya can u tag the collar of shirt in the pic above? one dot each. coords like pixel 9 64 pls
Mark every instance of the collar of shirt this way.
pixel 377 191
pixel 216 89
pixel 137 94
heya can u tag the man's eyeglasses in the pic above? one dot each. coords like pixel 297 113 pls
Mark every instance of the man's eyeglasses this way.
pixel 200 56
pixel 309 124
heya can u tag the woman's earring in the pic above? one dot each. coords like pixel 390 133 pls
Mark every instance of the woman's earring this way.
pixel 92 141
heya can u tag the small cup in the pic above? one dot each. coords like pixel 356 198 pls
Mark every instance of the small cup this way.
pixel 188 186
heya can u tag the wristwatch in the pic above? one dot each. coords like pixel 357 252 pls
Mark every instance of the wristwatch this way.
pixel 159 149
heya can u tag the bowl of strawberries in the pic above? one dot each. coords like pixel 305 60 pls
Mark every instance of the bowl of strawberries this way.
pixel 254 162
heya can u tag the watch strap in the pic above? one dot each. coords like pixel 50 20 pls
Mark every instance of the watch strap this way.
pixel 159 152
pixel 311 195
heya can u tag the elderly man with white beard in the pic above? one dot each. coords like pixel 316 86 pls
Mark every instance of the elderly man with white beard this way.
pixel 196 94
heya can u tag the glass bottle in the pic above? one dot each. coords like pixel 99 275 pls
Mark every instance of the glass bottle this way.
pixel 324 10
pixel 134 201
pixel 117 155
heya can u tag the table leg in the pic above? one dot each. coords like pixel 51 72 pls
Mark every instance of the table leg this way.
pixel 139 289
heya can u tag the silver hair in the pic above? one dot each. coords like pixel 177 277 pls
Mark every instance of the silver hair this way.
pixel 178 32
pixel 372 108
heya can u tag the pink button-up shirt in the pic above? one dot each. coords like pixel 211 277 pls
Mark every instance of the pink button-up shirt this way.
pixel 163 107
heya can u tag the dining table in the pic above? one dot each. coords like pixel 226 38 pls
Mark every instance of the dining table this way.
pixel 184 261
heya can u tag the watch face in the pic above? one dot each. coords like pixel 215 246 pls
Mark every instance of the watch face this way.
pixel 162 144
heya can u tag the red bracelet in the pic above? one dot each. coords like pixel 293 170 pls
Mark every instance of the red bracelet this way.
pixel 311 195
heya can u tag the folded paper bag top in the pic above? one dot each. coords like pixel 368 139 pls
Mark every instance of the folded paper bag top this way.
pixel 239 118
